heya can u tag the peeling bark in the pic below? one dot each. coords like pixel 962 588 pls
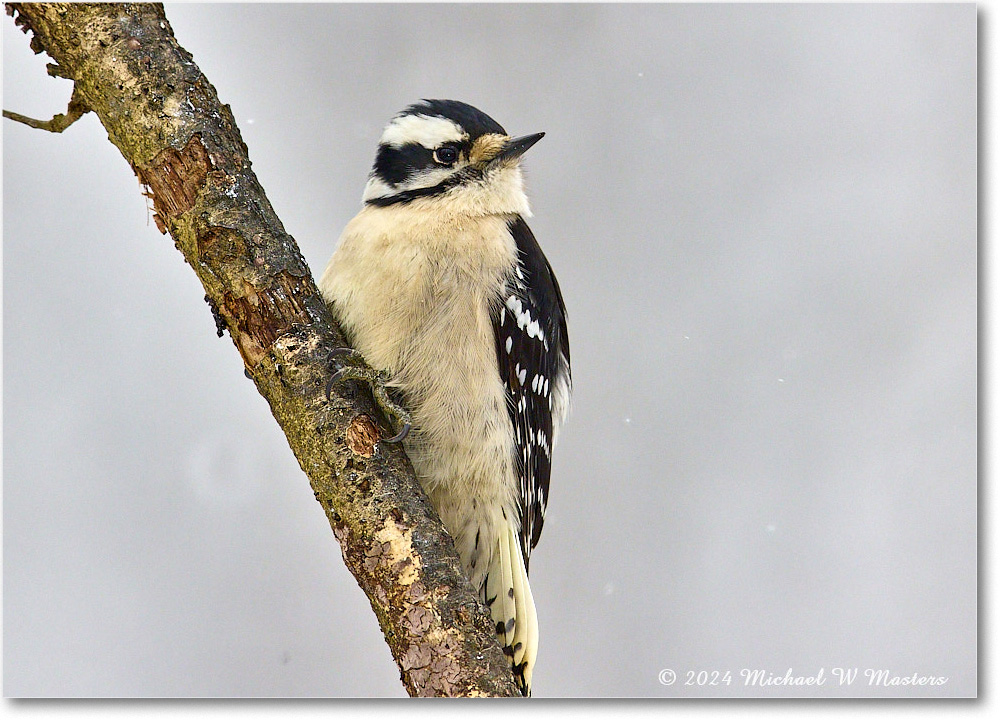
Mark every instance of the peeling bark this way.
pixel 183 144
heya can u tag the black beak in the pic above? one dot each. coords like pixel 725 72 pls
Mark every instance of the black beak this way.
pixel 516 147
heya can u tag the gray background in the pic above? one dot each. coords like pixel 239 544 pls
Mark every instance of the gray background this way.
pixel 764 223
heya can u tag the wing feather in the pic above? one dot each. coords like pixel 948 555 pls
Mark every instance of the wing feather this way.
pixel 533 360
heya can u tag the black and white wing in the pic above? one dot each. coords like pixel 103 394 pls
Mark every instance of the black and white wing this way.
pixel 533 358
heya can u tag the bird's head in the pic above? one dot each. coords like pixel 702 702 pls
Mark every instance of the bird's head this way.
pixel 449 157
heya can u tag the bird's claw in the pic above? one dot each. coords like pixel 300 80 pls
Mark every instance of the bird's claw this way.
pixel 377 382
pixel 340 374
pixel 344 350
pixel 334 379
pixel 399 436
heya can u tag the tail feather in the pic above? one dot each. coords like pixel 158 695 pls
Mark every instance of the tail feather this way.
pixel 526 627
pixel 512 608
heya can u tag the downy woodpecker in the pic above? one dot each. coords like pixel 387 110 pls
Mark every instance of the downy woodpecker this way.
pixel 441 286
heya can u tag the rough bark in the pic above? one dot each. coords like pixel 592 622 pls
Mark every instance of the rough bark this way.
pixel 183 144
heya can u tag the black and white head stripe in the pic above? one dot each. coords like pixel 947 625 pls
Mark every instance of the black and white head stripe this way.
pixel 533 357
pixel 416 147
pixel 467 119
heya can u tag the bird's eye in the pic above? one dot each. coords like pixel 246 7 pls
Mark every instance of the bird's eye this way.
pixel 446 155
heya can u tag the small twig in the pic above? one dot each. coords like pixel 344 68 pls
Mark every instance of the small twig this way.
pixel 76 110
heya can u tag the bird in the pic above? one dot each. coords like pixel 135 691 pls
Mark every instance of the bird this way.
pixel 441 287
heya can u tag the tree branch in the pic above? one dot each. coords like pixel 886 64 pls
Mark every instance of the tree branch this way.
pixel 183 144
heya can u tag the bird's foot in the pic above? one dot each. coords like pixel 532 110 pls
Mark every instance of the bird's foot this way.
pixel 357 369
